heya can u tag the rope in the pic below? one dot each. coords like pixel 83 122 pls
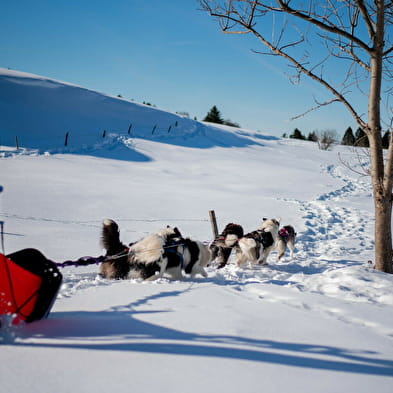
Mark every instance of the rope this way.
pixel 85 261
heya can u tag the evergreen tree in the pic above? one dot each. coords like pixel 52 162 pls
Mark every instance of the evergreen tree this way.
pixel 385 140
pixel 361 138
pixel 214 116
pixel 297 134
pixel 348 138
pixel 312 137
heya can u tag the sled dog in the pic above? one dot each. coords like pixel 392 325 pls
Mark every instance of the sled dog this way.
pixel 286 238
pixel 151 257
pixel 256 246
pixel 222 245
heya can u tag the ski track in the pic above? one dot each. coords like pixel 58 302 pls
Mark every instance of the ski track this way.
pixel 320 265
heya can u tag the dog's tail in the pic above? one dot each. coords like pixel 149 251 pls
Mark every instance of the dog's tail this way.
pixel 232 233
pixel 110 238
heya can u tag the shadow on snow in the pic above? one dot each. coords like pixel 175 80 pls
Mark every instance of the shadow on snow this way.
pixel 119 323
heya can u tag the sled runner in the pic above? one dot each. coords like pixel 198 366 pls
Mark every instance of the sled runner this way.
pixel 29 283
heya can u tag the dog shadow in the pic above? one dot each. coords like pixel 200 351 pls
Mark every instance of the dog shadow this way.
pixel 121 329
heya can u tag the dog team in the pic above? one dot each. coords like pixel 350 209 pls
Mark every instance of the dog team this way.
pixel 168 252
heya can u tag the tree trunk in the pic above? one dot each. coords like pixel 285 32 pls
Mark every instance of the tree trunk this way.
pixel 381 176
pixel 383 236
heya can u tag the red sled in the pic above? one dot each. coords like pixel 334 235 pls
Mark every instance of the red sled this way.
pixel 29 283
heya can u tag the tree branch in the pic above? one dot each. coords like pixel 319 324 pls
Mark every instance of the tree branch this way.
pixel 366 17
pixel 320 105
pixel 284 7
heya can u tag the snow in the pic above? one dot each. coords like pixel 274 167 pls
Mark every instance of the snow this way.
pixel 322 322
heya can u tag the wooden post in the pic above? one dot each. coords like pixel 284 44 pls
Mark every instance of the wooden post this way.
pixel 66 139
pixel 129 129
pixel 104 133
pixel 17 143
pixel 154 128
pixel 169 129
pixel 213 223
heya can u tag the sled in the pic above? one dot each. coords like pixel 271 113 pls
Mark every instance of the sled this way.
pixel 29 284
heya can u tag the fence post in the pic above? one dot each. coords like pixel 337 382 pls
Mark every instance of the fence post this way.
pixel 169 129
pixel 17 143
pixel 104 133
pixel 213 223
pixel 66 139
pixel 154 128
pixel 129 129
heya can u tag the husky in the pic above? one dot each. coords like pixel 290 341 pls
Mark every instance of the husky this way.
pixel 222 245
pixel 151 257
pixel 196 256
pixel 256 246
pixel 286 238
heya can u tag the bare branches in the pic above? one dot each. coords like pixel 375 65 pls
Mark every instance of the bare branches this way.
pixel 319 105
pixel 366 17
pixel 323 23
pixel 363 159
pixel 347 28
pixel 244 20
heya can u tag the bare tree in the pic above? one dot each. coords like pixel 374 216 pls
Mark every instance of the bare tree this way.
pixel 312 36
pixel 326 139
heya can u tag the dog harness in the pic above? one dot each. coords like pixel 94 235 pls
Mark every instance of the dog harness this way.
pixel 283 233
pixel 266 238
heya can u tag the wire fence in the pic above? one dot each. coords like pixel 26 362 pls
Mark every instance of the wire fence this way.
pixel 82 139
pixel 142 226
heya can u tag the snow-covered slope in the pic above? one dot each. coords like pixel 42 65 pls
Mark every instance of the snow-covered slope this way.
pixel 319 323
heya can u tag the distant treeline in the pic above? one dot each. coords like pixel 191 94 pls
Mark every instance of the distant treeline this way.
pixel 349 139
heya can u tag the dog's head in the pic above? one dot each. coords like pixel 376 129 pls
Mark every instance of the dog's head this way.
pixel 270 225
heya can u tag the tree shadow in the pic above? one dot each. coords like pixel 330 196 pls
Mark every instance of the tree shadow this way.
pixel 121 329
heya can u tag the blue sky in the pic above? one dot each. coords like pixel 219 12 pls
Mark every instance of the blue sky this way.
pixel 167 53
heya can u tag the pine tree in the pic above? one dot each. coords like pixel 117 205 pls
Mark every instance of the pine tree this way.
pixel 348 138
pixel 361 138
pixel 214 116
pixel 297 134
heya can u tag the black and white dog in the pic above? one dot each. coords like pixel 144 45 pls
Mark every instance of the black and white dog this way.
pixel 151 257
pixel 222 245
pixel 256 246
pixel 286 238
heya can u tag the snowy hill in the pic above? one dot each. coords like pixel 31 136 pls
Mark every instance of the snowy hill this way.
pixel 321 322
pixel 39 112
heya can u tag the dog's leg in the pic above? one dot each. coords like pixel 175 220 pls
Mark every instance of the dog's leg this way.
pixel 160 274
pixel 291 246
pixel 240 257
pixel 265 254
pixel 280 249
pixel 248 251
pixel 214 251
pixel 198 269
pixel 223 256
pixel 175 273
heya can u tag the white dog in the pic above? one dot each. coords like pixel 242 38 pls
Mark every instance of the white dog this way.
pixel 256 246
